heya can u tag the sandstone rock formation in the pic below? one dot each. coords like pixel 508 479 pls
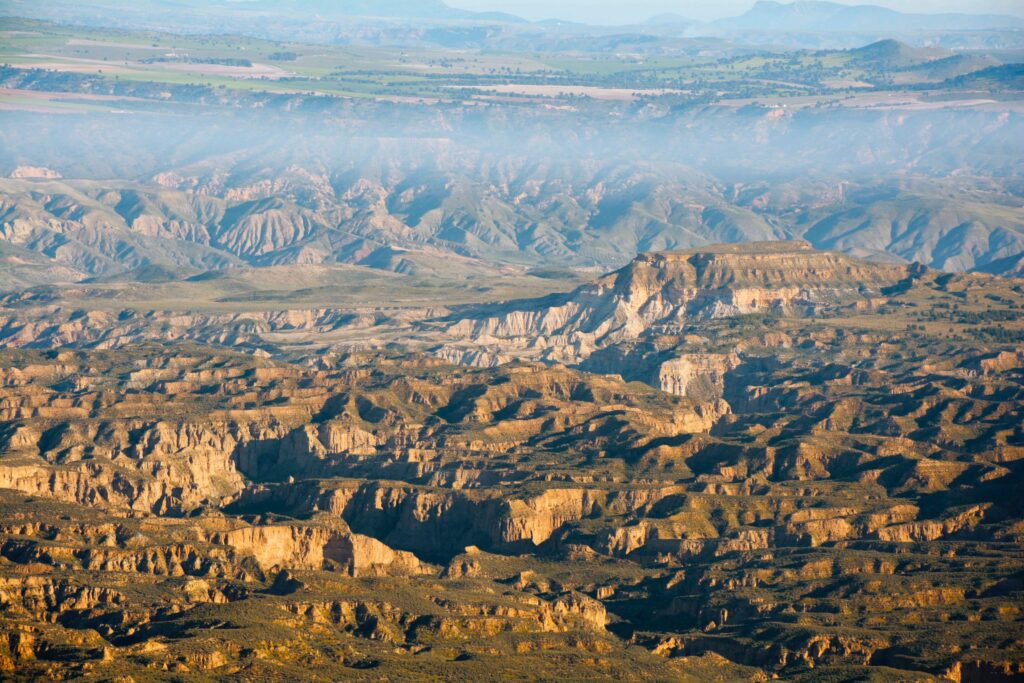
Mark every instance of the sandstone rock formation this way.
pixel 790 496
pixel 660 293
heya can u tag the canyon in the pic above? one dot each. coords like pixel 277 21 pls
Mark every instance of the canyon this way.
pixel 736 462
pixel 376 341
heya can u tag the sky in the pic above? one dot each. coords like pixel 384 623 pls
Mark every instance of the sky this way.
pixel 627 11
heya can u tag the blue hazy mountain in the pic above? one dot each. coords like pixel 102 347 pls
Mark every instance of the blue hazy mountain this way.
pixel 423 9
pixel 819 16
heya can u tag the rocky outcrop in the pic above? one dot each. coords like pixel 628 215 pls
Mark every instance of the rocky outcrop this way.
pixel 699 376
pixel 660 293
pixel 309 547
pixel 35 172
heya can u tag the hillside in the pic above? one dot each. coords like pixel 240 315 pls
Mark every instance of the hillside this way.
pixel 1002 78
pixel 481 208
pixel 892 54
pixel 945 235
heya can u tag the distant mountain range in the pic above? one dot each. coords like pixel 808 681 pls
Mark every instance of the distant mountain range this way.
pixel 414 205
pixel 817 16
pixel 766 16
pixel 802 15
pixel 291 9
pixel 190 15
pixel 420 9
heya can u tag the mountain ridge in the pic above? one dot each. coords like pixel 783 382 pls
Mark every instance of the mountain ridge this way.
pixel 823 16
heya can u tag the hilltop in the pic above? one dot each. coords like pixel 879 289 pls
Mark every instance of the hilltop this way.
pixel 893 54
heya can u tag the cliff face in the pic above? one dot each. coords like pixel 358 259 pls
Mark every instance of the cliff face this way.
pixel 659 294
pixel 640 321
pixel 700 376
pixel 319 547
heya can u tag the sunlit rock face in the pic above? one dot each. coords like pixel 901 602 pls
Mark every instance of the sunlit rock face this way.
pixel 666 296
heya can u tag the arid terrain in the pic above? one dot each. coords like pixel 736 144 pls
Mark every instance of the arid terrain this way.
pixel 733 463
pixel 400 342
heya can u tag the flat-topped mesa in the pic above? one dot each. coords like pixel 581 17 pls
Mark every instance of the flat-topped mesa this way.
pixel 658 292
pixel 765 264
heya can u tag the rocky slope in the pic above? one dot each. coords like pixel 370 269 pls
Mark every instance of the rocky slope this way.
pixel 635 321
pixel 464 199
pixel 658 294
pixel 831 489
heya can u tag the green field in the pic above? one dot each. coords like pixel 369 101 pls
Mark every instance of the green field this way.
pixel 247 66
